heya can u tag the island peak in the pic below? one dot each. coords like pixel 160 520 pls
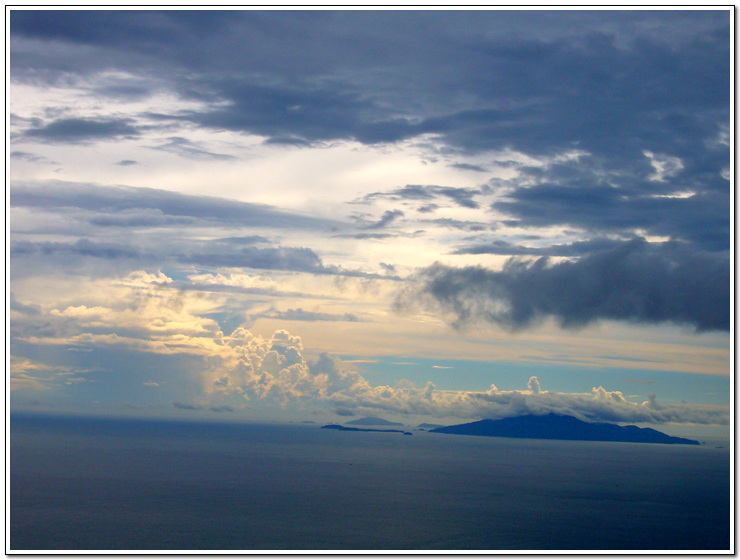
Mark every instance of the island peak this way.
pixel 560 427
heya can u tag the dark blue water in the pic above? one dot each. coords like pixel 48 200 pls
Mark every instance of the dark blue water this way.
pixel 81 484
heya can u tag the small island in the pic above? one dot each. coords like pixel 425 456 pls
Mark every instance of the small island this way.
pixel 560 427
pixel 348 429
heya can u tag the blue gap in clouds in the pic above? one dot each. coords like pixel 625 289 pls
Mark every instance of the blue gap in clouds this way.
pixel 469 375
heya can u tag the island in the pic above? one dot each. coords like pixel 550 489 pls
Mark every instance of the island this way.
pixel 348 429
pixel 560 427
pixel 427 426
pixel 372 421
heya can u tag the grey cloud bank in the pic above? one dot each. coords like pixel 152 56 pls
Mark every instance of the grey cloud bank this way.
pixel 532 81
pixel 579 195
pixel 81 130
pixel 111 201
pixel 633 282
pixel 297 259
pixel 154 227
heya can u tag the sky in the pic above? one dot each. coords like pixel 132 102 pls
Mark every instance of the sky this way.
pixel 426 216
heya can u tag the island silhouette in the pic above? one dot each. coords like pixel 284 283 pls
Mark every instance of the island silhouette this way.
pixel 372 421
pixel 560 427
pixel 427 426
pixel 348 429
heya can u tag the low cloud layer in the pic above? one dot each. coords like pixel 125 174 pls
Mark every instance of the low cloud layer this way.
pixel 276 369
pixel 636 282
pixel 149 320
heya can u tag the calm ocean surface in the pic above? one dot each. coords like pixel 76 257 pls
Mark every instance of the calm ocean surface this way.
pixel 144 485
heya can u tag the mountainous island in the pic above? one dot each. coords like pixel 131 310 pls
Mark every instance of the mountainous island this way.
pixel 427 426
pixel 555 426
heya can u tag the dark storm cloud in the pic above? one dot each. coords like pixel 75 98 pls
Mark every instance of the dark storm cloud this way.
pixel 612 83
pixel 75 130
pixel 574 195
pixel 460 196
pixel 113 204
pixel 535 96
pixel 124 89
pixel 172 36
pixel 636 282
pixel 301 114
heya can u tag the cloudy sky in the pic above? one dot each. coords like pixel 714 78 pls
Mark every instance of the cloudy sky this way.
pixel 421 215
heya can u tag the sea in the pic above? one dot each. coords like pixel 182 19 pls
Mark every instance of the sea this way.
pixel 93 484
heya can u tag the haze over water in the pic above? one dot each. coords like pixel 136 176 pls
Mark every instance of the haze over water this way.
pixel 115 484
